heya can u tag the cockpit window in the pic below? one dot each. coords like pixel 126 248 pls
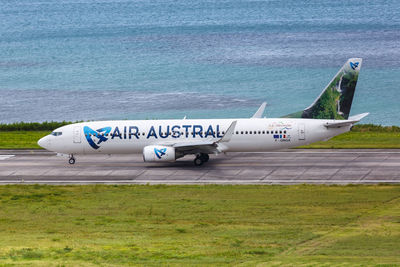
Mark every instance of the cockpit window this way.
pixel 56 133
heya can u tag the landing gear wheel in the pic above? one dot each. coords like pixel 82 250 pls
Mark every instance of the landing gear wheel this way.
pixel 205 157
pixel 198 161
pixel 71 160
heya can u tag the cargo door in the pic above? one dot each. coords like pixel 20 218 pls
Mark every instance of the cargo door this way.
pixel 302 131
pixel 77 134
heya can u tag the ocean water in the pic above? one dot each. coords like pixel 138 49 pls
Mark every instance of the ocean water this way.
pixel 148 59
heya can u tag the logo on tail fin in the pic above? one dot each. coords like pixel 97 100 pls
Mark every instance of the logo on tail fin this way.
pixel 354 65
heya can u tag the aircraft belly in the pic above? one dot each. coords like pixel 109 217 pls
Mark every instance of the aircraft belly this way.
pixel 258 144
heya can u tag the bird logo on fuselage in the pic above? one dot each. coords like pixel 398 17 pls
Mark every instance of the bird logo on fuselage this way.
pixel 160 152
pixel 100 134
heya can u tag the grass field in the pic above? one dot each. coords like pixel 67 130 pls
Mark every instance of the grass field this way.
pixel 21 139
pixel 360 140
pixel 300 225
pixel 361 136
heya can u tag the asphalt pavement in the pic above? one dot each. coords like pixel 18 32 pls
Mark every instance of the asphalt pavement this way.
pixel 284 167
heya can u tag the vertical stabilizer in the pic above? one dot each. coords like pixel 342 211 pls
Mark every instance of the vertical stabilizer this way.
pixel 335 100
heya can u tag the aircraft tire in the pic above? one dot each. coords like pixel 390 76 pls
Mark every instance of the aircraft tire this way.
pixel 205 157
pixel 198 161
pixel 71 161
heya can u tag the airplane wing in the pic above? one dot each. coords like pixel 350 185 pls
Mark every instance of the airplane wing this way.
pixel 208 146
pixel 260 111
pixel 350 121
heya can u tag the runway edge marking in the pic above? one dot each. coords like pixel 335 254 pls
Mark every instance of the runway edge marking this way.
pixel 4 157
pixel 178 182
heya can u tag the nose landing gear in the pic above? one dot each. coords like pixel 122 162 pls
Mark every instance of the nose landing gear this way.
pixel 71 159
pixel 201 158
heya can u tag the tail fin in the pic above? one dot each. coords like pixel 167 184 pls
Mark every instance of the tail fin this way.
pixel 335 100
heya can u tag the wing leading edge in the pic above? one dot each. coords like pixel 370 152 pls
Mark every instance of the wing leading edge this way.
pixel 205 146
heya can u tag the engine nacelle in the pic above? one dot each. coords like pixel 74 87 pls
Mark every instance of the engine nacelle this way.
pixel 159 153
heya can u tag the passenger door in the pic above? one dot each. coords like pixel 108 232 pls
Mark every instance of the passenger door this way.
pixel 302 131
pixel 76 134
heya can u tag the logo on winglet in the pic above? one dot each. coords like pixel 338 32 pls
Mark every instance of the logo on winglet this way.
pixel 160 152
pixel 99 134
pixel 354 65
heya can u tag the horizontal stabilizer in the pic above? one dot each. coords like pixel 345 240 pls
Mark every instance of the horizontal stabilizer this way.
pixel 350 121
pixel 260 111
pixel 358 117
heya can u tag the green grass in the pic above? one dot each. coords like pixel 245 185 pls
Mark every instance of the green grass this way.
pixel 360 140
pixel 21 139
pixel 363 136
pixel 302 225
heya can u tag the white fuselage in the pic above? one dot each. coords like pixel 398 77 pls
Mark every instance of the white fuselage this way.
pixel 131 136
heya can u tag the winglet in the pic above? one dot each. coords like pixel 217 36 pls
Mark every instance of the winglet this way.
pixel 228 134
pixel 260 111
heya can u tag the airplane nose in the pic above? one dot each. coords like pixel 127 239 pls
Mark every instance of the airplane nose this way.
pixel 44 142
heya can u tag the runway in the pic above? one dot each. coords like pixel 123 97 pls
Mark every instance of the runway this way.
pixel 284 167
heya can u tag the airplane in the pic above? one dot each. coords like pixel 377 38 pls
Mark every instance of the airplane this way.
pixel 168 140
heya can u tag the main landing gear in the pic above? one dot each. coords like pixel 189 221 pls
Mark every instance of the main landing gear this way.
pixel 201 158
pixel 71 159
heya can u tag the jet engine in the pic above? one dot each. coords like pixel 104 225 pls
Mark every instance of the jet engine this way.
pixel 159 153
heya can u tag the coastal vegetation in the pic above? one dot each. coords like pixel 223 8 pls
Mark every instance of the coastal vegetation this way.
pixel 247 225
pixel 33 126
pixel 25 136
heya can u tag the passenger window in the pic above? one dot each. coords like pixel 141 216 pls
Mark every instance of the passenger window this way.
pixel 263 132
pixel 247 132
pixel 284 131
